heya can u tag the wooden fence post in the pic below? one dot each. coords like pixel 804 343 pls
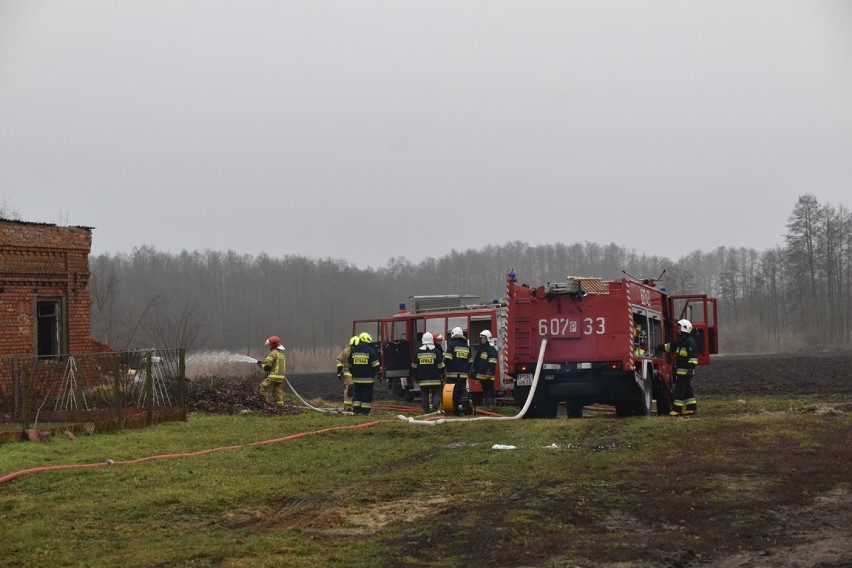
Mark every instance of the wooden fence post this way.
pixel 182 381
pixel 116 389
pixel 149 390
pixel 25 408
pixel 16 388
pixel 78 389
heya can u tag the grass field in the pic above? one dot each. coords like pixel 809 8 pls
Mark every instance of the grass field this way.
pixel 590 492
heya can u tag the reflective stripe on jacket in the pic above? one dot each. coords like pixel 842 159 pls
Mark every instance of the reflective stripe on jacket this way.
pixel 275 365
pixel 686 352
pixel 457 358
pixel 363 364
pixel 427 367
pixel 484 362
pixel 343 362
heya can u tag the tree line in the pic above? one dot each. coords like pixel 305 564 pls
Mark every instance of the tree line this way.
pixel 794 296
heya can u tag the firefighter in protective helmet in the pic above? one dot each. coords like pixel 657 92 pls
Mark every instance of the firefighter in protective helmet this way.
pixel 685 350
pixel 365 367
pixel 275 366
pixel 345 374
pixel 427 368
pixel 457 356
pixel 483 364
pixel 438 340
pixel 457 363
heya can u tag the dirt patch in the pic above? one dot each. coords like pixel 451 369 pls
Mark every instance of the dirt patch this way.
pixel 774 504
pixel 787 373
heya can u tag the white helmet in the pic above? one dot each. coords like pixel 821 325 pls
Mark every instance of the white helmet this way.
pixel 427 339
pixel 486 334
pixel 685 326
pixel 457 332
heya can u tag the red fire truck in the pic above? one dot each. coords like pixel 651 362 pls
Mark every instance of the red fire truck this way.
pixel 398 337
pixel 601 336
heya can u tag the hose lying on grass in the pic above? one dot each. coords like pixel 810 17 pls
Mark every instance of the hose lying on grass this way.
pixel 412 420
pixel 23 472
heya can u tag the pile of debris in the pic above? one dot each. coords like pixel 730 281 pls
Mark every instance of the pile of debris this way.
pixel 230 396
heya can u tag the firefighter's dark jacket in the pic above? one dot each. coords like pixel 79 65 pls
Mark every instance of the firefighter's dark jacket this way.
pixel 686 351
pixel 427 368
pixel 457 358
pixel 364 363
pixel 484 362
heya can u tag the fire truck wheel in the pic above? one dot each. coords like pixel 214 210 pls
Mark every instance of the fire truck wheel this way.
pixel 400 393
pixel 548 408
pixel 624 409
pixel 642 407
pixel 662 396
pixel 520 395
pixel 574 409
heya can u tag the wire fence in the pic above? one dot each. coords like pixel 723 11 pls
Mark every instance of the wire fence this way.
pixel 107 390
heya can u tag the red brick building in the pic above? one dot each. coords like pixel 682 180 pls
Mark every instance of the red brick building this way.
pixel 45 307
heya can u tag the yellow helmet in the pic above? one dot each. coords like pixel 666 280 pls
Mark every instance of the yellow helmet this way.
pixel 354 341
pixel 365 337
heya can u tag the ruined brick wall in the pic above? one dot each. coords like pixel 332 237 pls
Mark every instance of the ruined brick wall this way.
pixel 43 261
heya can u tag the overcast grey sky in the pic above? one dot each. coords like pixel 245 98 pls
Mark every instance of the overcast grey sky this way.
pixel 366 129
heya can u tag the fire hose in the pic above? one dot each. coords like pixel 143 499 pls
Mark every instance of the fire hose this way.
pixel 32 470
pixel 523 411
pixel 309 405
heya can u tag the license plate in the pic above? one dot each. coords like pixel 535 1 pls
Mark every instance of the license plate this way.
pixel 524 379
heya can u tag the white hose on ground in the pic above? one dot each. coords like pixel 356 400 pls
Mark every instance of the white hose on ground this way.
pixel 309 405
pixel 412 420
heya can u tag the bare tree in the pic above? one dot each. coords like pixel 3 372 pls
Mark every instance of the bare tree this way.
pixel 103 288
pixel 801 249
pixel 183 327
pixel 7 211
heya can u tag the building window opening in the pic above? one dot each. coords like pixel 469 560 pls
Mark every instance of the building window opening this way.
pixel 48 328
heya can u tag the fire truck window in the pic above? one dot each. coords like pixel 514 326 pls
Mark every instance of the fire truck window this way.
pixel 655 333
pixel 397 331
pixel 436 325
pixel 477 327
pixel 457 322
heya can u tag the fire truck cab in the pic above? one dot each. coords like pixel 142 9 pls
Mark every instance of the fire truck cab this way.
pixel 604 340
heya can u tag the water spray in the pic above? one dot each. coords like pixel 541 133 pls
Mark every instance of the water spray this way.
pixel 218 357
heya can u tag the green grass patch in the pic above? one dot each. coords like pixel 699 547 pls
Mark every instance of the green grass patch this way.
pixel 394 494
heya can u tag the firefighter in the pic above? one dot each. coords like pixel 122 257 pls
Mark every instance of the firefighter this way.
pixel 457 362
pixel 483 363
pixel 364 365
pixel 457 356
pixel 686 359
pixel 275 366
pixel 438 340
pixel 427 369
pixel 344 374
